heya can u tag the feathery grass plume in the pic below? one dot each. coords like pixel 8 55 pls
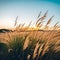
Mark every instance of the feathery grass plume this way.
pixel 42 18
pixel 39 51
pixel 38 17
pixel 36 51
pixel 16 21
pixel 56 26
pixel 49 21
pixel 26 43
pixel 39 14
pixel 46 48
pixel 39 25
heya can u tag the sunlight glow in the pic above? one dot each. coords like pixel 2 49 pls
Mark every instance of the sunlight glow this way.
pixel 27 11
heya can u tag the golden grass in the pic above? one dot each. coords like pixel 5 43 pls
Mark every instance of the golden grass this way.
pixel 46 41
pixel 36 44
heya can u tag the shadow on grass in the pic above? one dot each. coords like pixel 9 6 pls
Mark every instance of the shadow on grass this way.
pixel 3 51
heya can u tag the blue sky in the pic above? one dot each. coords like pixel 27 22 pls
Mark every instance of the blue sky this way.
pixel 27 10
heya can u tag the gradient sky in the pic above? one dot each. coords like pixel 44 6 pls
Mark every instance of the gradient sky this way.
pixel 27 10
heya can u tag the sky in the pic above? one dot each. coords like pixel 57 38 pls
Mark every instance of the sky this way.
pixel 27 10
